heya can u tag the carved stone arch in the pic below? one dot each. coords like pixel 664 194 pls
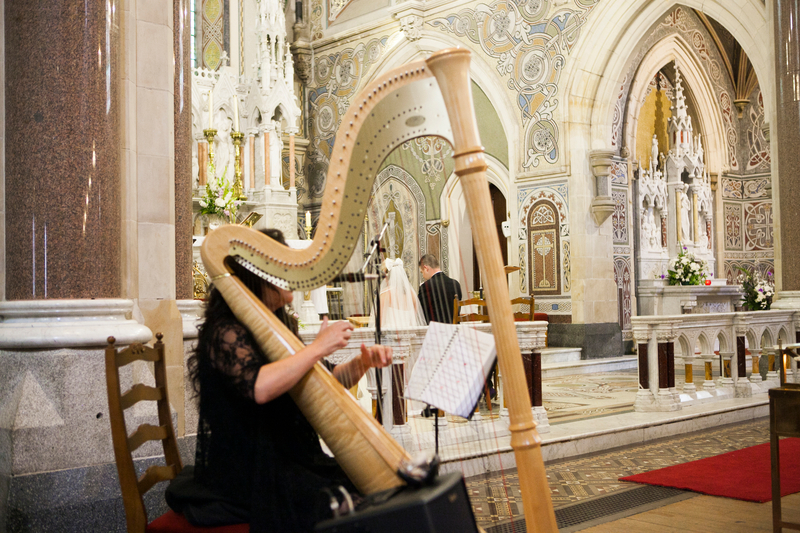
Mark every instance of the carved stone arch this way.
pixel 783 335
pixel 768 335
pixel 753 337
pixel 724 342
pixel 544 248
pixel 705 346
pixel 685 345
pixel 396 190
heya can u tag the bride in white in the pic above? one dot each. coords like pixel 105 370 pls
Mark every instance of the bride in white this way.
pixel 400 308
pixel 400 305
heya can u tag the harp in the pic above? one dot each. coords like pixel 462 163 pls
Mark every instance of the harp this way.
pixel 431 97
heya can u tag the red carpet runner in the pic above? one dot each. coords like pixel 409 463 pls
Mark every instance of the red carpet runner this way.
pixel 743 474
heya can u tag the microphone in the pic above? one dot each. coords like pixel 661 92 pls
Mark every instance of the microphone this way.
pixel 354 277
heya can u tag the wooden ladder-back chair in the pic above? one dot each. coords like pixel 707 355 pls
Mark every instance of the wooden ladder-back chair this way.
pixel 469 317
pixel 133 489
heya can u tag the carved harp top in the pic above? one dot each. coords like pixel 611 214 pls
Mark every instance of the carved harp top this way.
pixel 431 97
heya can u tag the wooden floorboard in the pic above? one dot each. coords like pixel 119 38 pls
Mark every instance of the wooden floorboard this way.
pixel 705 514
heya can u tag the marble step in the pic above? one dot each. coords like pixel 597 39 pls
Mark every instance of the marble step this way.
pixel 589 366
pixel 560 355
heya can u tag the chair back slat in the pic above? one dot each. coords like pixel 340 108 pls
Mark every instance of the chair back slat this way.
pixel 469 317
pixel 521 315
pixel 140 393
pixel 145 433
pixel 132 488
pixel 126 357
pixel 156 474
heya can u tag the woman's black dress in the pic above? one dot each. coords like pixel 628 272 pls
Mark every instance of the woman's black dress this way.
pixel 261 464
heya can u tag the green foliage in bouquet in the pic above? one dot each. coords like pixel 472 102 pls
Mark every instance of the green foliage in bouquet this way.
pixel 758 290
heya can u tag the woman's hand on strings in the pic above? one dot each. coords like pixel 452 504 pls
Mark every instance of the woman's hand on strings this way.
pixel 277 378
pixel 376 356
pixel 332 337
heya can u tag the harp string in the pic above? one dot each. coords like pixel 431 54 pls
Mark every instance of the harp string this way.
pixel 458 436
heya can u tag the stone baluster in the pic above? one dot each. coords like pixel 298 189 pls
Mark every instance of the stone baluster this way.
pixel 755 377
pixel 726 378
pixel 689 386
pixel 744 388
pixel 708 383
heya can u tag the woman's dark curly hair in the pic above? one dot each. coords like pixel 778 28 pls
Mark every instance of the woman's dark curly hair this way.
pixel 218 312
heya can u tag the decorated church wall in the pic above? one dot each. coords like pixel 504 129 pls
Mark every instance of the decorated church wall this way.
pixel 523 47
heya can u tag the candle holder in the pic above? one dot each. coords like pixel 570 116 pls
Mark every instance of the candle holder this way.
pixel 308 229
pixel 209 135
pixel 238 185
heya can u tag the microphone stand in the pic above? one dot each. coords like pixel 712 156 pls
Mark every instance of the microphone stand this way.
pixel 374 255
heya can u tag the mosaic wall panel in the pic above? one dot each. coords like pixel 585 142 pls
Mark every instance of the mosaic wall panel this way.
pixel 619 219
pixel 758 226
pixel 529 45
pixel 765 266
pixel 684 22
pixel 528 197
pixel 335 7
pixel 746 188
pixel 558 307
pixel 544 245
pixel 622 277
pixel 619 172
pixel 758 148
pixel 213 33
pixel 733 226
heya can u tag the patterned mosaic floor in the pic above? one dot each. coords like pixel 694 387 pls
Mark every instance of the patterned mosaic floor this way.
pixel 568 398
pixel 496 498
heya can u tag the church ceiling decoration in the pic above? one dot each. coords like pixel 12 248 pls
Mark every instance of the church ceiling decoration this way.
pixel 316 18
pixel 338 76
pixel 684 22
pixel 335 7
pixel 530 43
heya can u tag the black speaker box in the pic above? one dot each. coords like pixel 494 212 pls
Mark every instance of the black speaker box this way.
pixel 437 508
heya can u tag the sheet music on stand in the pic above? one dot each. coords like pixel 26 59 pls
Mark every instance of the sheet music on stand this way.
pixel 452 368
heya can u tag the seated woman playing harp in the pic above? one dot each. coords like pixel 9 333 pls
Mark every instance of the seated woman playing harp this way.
pixel 258 460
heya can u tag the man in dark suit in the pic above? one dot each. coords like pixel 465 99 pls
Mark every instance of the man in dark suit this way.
pixel 438 292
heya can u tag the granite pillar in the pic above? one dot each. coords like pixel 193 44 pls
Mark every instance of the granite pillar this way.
pixel 644 371
pixel 183 149
pixel 62 150
pixel 785 139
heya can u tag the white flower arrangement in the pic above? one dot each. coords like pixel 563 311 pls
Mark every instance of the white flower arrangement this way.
pixel 686 269
pixel 218 198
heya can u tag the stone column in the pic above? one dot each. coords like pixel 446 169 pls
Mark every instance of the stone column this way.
pixel 785 138
pixel 644 378
pixel 182 87
pixel 291 159
pixel 267 169
pixel 708 383
pixel 251 154
pixel 62 168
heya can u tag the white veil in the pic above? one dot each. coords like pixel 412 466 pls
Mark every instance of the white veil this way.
pixel 400 305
